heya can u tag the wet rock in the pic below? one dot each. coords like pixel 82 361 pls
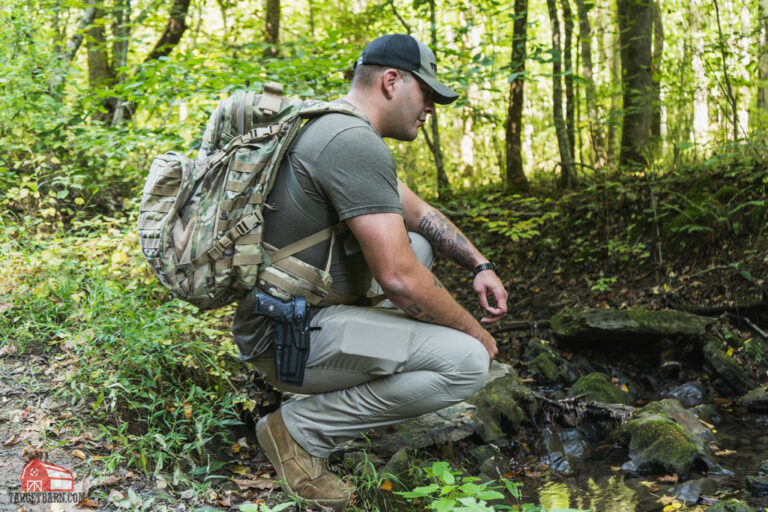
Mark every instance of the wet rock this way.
pixel 557 461
pixel 689 394
pixel 400 462
pixel 575 444
pixel 757 485
pixel 543 369
pixel 756 400
pixel 708 413
pixel 599 388
pixel 690 491
pixel 490 461
pixel 730 506
pixel 665 436
pixel 725 367
pixel 501 406
pixel 627 325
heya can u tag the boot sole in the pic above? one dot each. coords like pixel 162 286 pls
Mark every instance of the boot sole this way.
pixel 268 444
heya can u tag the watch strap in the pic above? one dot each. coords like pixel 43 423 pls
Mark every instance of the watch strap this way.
pixel 484 266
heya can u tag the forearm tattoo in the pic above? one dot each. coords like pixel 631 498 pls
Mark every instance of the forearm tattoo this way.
pixel 446 239
pixel 416 312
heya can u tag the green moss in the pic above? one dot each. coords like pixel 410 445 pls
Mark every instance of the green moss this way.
pixel 660 441
pixel 543 366
pixel 730 506
pixel 598 387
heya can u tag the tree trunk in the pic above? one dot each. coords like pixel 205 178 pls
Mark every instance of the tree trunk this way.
pixel 762 67
pixel 728 88
pixel 658 53
pixel 570 109
pixel 272 28
pixel 566 160
pixel 121 30
pixel 635 26
pixel 172 32
pixel 700 94
pixel 614 58
pixel 99 71
pixel 515 177
pixel 585 36
pixel 443 185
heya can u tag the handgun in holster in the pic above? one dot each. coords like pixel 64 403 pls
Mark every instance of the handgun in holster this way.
pixel 291 335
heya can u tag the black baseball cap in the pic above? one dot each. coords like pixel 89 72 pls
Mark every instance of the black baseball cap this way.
pixel 405 52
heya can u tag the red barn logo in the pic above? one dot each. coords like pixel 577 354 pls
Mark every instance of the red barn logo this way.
pixel 38 476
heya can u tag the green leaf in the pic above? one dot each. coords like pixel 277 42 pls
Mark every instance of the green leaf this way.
pixel 420 492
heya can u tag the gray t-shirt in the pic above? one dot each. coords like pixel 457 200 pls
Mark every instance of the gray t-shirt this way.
pixel 338 168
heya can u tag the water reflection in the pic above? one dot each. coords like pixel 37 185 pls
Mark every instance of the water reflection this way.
pixel 608 494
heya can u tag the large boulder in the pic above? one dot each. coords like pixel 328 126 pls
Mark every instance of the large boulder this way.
pixel 667 437
pixel 730 506
pixel 628 325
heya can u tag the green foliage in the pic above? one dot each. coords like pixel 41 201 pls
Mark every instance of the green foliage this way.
pixel 157 376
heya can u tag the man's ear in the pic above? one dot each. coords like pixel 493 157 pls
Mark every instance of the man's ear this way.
pixel 388 79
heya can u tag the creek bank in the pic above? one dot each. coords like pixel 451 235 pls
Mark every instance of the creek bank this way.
pixel 639 391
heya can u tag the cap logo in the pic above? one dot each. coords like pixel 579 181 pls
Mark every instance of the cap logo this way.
pixel 434 67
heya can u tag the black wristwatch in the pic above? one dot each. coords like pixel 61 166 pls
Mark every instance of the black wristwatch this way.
pixel 483 266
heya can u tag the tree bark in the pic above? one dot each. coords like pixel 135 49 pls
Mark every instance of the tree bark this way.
pixel 762 66
pixel 570 108
pixel 515 176
pixel 728 88
pixel 100 74
pixel 443 185
pixel 172 32
pixel 566 160
pixel 658 52
pixel 635 26
pixel 121 30
pixel 272 28
pixel 585 37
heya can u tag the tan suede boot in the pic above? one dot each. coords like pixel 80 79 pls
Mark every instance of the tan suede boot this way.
pixel 302 476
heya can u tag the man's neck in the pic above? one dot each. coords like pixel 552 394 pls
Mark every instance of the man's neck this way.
pixel 363 103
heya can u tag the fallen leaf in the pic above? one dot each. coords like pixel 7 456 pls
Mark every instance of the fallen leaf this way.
pixel 258 483
pixel 725 452
pixel 708 425
pixel 667 500
pixel 188 411
pixel 615 468
pixel 721 401
pixel 647 484
pixel 670 479
pixel 239 470
pixel 33 452
pixel 105 481
pixel 235 448
pixel 386 486
pixel 79 454
pixel 8 350
pixel 12 440
pixel 87 502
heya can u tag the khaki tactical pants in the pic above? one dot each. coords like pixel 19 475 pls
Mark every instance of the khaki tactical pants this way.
pixel 371 367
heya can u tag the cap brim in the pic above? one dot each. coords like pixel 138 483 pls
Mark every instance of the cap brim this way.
pixel 441 94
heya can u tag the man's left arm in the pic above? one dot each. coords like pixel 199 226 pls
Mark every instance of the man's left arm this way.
pixel 449 241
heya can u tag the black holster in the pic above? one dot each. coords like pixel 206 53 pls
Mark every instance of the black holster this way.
pixel 291 335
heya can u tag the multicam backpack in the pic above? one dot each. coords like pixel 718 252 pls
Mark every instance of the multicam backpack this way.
pixel 200 221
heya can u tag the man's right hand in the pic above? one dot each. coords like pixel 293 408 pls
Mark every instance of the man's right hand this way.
pixel 488 342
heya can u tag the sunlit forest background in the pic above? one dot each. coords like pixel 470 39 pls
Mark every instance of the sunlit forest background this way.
pixel 595 146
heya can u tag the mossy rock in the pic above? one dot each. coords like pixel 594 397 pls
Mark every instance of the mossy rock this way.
pixel 660 443
pixel 730 506
pixel 504 401
pixel 599 388
pixel 725 367
pixel 543 369
pixel 756 400
pixel 627 325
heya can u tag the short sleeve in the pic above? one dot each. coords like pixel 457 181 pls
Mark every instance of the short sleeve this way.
pixel 355 172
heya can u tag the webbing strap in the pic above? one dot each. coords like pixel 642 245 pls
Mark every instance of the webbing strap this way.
pixel 150 243
pixel 256 198
pixel 252 238
pixel 307 242
pixel 164 190
pixel 228 205
pixel 157 207
pixel 237 186
pixel 250 167
pixel 271 98
pixel 150 224
pixel 223 264
pixel 247 259
pixel 286 284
